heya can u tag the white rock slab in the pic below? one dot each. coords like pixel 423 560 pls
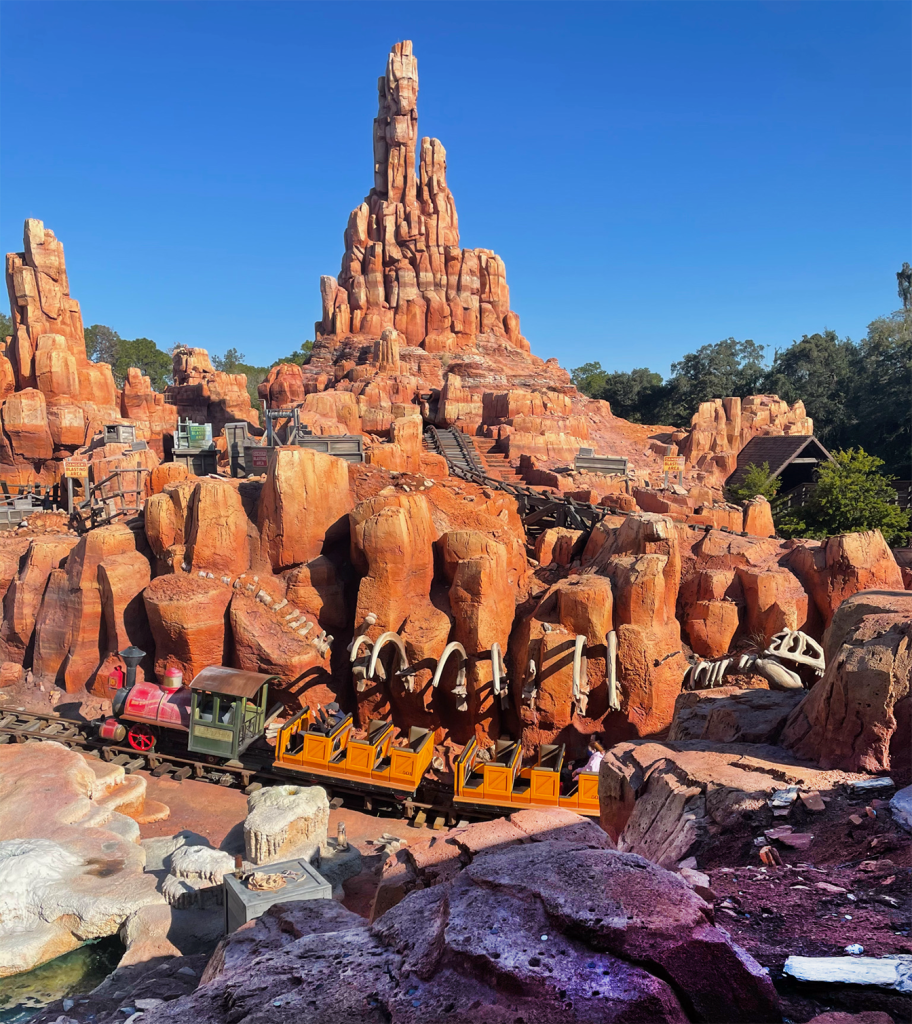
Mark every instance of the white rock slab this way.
pixel 893 972
pixel 71 868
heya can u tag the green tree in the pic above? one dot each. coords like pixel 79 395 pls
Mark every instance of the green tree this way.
pixel 6 327
pixel 819 371
pixel 102 344
pixel 851 495
pixel 726 368
pixel 300 356
pixel 589 378
pixel 146 356
pixel 879 392
pixel 637 395
pixel 757 480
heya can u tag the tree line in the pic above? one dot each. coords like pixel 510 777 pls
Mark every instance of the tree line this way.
pixel 104 345
pixel 857 393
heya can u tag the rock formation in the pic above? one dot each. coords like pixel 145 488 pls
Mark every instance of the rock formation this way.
pixel 672 800
pixel 537 918
pixel 722 427
pixel 202 394
pixel 53 400
pixel 403 267
pixel 285 822
pixel 859 716
pixel 70 866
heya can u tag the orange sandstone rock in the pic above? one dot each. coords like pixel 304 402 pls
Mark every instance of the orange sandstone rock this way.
pixel 23 599
pixel 758 518
pixel 216 530
pixel 303 506
pixel 835 569
pixel 187 618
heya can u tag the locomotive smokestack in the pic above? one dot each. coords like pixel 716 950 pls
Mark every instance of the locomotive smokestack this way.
pixel 132 656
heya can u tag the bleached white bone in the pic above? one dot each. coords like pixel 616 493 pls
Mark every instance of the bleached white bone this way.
pixel 611 645
pixel 794 645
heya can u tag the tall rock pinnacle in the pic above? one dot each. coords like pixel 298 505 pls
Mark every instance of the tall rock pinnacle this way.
pixel 403 266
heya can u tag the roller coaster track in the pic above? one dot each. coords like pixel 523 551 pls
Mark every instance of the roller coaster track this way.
pixel 538 510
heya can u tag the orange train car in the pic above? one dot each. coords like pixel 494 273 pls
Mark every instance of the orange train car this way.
pixel 503 783
pixel 324 747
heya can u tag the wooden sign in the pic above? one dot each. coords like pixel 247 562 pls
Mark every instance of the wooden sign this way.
pixel 260 460
pixel 674 464
pixel 76 469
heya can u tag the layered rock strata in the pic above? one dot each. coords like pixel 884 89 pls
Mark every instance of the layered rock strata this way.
pixel 416 324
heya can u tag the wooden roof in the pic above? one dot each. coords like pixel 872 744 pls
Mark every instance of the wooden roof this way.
pixel 778 452
pixel 232 682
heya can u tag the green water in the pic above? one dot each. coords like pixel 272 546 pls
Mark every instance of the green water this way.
pixel 73 974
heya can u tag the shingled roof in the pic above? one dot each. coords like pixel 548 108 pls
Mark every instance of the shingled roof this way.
pixel 778 452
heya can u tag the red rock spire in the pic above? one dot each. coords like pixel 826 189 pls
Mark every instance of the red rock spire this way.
pixel 403 266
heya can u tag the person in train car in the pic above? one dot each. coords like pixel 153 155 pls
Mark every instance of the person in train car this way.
pixel 593 761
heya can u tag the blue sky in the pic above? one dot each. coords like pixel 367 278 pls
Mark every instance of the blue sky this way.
pixel 655 175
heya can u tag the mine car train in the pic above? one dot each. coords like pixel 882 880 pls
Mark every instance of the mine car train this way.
pixel 225 712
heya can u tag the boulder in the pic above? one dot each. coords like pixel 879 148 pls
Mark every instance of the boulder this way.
pixel 732 715
pixel 774 600
pixel 482 602
pixel 711 602
pixel 672 800
pixel 264 643
pixel 642 558
pixel 216 529
pixel 167 473
pixel 25 423
pixel 558 545
pixel 303 506
pixel 560 928
pixel 78 606
pixel 758 518
pixel 392 539
pixel 836 568
pixel 317 589
pixel 857 716
pixel 24 596
pixel 122 579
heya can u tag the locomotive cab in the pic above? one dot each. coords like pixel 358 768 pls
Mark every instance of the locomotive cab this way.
pixel 227 710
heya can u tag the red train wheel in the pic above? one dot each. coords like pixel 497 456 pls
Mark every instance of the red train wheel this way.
pixel 140 737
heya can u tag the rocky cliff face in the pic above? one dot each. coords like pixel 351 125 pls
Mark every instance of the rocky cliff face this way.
pixel 416 324
pixel 251 573
pixel 54 401
pixel 403 266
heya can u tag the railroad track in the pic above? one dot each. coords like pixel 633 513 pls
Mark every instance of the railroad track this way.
pixel 20 726
pixel 23 726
